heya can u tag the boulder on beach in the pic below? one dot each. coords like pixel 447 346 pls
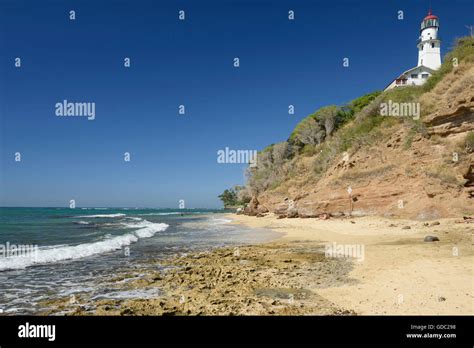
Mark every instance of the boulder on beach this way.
pixel 252 207
pixel 292 213
pixel 324 216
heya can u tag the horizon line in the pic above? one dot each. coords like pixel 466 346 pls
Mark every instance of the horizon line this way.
pixel 136 208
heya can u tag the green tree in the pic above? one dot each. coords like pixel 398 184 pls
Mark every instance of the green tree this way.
pixel 228 197
pixel 236 196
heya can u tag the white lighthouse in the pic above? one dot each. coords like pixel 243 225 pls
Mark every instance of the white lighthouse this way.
pixel 429 44
pixel 429 55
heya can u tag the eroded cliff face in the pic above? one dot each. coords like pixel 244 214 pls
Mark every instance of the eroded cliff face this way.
pixel 422 176
pixel 453 101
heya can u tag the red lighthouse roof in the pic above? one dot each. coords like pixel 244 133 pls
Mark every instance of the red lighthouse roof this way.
pixel 430 16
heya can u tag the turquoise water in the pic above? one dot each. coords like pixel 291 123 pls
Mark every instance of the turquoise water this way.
pixel 47 253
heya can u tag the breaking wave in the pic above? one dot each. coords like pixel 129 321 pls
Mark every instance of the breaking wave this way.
pixel 51 254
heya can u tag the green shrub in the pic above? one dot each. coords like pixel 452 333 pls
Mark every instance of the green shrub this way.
pixel 308 150
pixel 406 94
pixel 358 104
pixel 329 119
pixel 469 142
pixel 356 134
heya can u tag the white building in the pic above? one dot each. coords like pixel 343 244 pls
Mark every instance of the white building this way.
pixel 429 55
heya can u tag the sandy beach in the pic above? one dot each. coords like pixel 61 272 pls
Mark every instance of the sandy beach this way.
pixel 396 273
pixel 400 274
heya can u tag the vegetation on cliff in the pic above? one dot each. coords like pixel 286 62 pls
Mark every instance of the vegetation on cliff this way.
pixel 469 142
pixel 234 197
pixel 322 137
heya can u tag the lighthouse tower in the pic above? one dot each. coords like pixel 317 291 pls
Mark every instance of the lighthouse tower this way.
pixel 429 44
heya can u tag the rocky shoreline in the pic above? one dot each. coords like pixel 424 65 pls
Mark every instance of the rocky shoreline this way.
pixel 406 267
pixel 269 279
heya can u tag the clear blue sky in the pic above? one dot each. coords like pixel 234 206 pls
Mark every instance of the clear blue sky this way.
pixel 173 62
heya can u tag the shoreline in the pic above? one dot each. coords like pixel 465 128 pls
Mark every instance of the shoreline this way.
pixel 398 273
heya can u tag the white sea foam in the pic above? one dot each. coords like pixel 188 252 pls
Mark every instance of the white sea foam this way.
pixel 100 216
pixel 94 208
pixel 134 218
pixel 219 221
pixel 159 214
pixel 145 229
pixel 82 223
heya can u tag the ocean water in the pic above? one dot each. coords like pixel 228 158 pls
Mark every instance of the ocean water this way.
pixel 48 253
